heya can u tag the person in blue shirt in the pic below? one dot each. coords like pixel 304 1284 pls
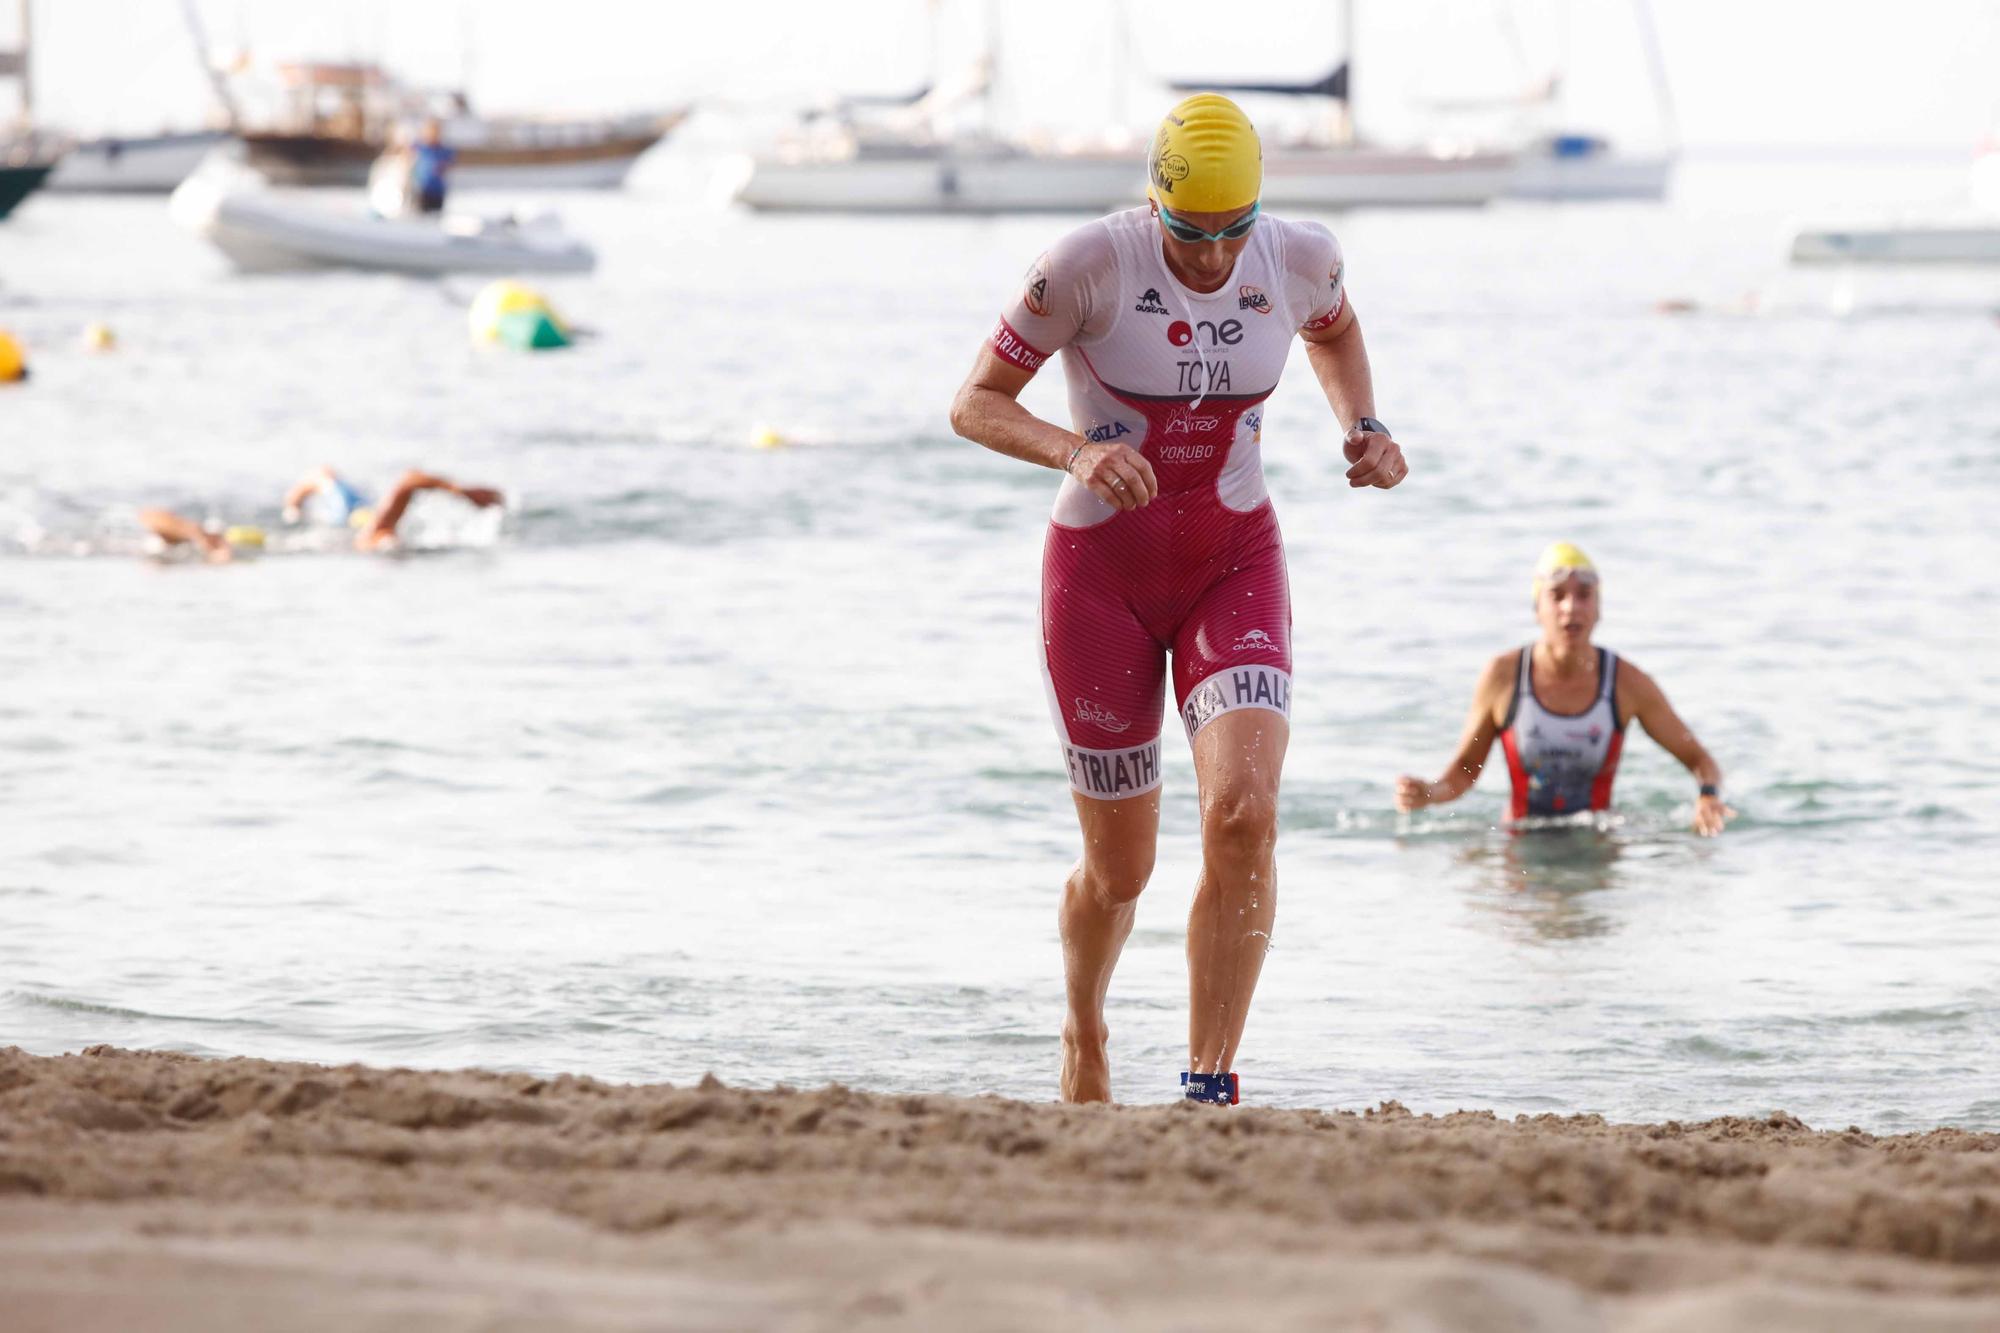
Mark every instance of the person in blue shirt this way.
pixel 430 162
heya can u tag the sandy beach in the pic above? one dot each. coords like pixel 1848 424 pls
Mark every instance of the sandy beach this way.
pixel 142 1189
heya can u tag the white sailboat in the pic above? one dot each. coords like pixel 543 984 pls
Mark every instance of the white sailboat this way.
pixel 912 155
pixel 135 164
pixel 1337 167
pixel 142 164
pixel 1567 165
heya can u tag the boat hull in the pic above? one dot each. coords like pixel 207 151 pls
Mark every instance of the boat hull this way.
pixel 961 183
pixel 154 164
pixel 1595 176
pixel 583 163
pixel 1382 178
pixel 261 232
pixel 1964 243
pixel 943 183
pixel 17 183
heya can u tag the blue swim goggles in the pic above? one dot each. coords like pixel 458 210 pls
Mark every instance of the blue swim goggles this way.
pixel 1235 231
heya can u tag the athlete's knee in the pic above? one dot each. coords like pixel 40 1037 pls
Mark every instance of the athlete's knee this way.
pixel 1114 880
pixel 1239 822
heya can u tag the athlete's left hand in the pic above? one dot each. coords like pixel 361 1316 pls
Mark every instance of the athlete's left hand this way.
pixel 1710 814
pixel 1377 459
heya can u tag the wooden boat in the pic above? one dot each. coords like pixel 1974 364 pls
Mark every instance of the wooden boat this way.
pixel 337 119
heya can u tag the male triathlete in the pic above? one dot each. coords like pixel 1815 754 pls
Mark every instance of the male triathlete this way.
pixel 1174 321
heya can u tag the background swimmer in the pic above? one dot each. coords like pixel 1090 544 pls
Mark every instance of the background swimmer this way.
pixel 374 528
pixel 1559 708
pixel 218 544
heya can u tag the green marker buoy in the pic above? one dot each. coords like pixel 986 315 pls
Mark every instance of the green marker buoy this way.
pixel 530 331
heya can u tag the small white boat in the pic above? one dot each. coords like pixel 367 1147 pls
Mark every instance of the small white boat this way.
pixel 148 164
pixel 262 230
pixel 1972 240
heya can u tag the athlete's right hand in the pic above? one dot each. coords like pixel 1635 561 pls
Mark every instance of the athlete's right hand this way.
pixel 1412 793
pixel 1115 473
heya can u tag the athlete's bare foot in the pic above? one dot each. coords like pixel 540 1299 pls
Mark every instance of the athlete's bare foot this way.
pixel 1086 1067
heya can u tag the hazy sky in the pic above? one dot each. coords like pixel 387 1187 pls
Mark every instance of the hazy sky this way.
pixel 1741 72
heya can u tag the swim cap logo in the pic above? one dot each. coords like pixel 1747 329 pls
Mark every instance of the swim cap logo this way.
pixel 1169 167
pixel 1180 333
pixel 1253 298
pixel 1035 288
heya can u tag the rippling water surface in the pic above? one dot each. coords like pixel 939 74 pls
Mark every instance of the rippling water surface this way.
pixel 717 757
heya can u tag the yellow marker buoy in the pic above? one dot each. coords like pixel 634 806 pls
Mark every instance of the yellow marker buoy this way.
pixel 99 338
pixel 13 359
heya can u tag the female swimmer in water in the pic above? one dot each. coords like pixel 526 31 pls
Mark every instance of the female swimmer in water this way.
pixel 1559 709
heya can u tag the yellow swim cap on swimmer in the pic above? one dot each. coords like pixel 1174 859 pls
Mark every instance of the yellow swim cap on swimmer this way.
pixel 1560 558
pixel 1206 157
pixel 243 535
pixel 361 517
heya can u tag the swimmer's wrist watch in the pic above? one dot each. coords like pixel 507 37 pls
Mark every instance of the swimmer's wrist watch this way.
pixel 1709 789
pixel 1369 424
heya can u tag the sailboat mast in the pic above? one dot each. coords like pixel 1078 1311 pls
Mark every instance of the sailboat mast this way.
pixel 1344 127
pixel 1656 66
pixel 217 84
pixel 24 69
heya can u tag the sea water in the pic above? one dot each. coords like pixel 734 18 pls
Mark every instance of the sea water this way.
pixel 711 757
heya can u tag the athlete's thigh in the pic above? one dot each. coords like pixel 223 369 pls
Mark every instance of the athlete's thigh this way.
pixel 1233 650
pixel 1105 675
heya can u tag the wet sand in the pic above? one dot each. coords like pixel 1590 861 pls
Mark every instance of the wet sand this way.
pixel 164 1191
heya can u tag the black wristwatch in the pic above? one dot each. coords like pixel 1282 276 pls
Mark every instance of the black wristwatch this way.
pixel 1708 789
pixel 1369 424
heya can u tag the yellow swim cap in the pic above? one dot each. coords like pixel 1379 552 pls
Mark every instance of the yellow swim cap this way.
pixel 1560 558
pixel 1206 157
pixel 361 517
pixel 244 535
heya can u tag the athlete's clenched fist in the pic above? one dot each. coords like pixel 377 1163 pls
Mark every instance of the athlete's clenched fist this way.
pixel 1377 459
pixel 1115 473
